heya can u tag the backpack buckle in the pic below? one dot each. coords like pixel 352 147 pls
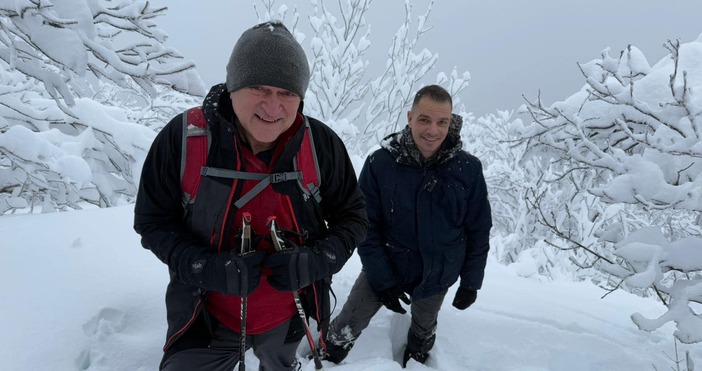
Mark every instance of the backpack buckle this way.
pixel 277 177
pixel 284 177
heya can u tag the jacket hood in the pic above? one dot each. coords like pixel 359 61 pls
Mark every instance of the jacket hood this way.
pixel 401 145
pixel 217 106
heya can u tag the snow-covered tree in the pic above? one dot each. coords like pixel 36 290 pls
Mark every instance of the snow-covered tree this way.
pixel 338 86
pixel 406 67
pixel 80 83
pixel 363 109
pixel 491 138
pixel 621 162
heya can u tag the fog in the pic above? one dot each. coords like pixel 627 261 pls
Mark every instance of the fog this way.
pixel 496 41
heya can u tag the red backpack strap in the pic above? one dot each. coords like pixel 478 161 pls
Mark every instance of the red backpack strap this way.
pixel 196 140
pixel 306 162
pixel 195 146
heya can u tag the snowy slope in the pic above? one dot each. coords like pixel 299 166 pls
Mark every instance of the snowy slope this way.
pixel 81 294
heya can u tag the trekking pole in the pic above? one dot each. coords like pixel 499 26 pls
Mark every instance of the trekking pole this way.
pixel 246 248
pixel 279 244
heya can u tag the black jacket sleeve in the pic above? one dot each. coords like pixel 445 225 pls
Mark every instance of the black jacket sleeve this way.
pixel 477 228
pixel 158 211
pixel 343 205
pixel 376 261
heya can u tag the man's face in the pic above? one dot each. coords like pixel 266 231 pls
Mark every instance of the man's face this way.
pixel 264 112
pixel 429 121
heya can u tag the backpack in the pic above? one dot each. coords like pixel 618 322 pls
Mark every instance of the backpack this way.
pixel 193 164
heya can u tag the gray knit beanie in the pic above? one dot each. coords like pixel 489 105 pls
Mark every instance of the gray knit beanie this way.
pixel 268 54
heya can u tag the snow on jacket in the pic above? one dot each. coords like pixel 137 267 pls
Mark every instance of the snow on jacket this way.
pixel 429 222
pixel 170 231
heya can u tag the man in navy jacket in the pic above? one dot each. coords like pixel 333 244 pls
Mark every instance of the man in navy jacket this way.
pixel 430 221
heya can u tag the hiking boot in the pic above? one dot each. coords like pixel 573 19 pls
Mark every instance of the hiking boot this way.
pixel 417 356
pixel 336 353
pixel 417 349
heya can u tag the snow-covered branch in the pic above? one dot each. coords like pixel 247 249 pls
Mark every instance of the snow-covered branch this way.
pixel 631 140
pixel 57 61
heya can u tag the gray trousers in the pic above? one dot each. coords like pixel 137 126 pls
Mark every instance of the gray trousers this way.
pixel 363 304
pixel 222 353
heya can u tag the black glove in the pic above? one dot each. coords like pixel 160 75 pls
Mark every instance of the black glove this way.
pixel 391 299
pixel 464 298
pixel 297 266
pixel 225 272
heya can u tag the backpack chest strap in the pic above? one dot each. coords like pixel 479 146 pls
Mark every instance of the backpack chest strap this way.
pixel 265 180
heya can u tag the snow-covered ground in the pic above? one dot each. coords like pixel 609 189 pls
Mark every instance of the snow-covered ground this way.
pixel 79 293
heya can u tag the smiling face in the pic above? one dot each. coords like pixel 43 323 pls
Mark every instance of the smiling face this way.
pixel 429 121
pixel 264 113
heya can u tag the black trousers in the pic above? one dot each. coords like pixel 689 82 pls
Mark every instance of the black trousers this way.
pixel 209 345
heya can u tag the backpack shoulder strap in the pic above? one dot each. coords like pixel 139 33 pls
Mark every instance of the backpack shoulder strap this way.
pixel 195 147
pixel 306 162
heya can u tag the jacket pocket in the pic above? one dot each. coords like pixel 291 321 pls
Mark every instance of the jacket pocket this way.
pixel 398 207
pixel 452 264
pixel 453 201
pixel 407 265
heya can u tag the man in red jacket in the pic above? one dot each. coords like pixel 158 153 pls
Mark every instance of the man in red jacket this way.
pixel 255 126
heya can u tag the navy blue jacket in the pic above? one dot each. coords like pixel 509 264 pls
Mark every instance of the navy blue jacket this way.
pixel 429 223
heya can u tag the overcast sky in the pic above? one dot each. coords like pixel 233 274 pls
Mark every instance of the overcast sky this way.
pixel 498 42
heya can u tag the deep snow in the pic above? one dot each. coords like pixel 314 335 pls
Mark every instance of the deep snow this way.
pixel 81 294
